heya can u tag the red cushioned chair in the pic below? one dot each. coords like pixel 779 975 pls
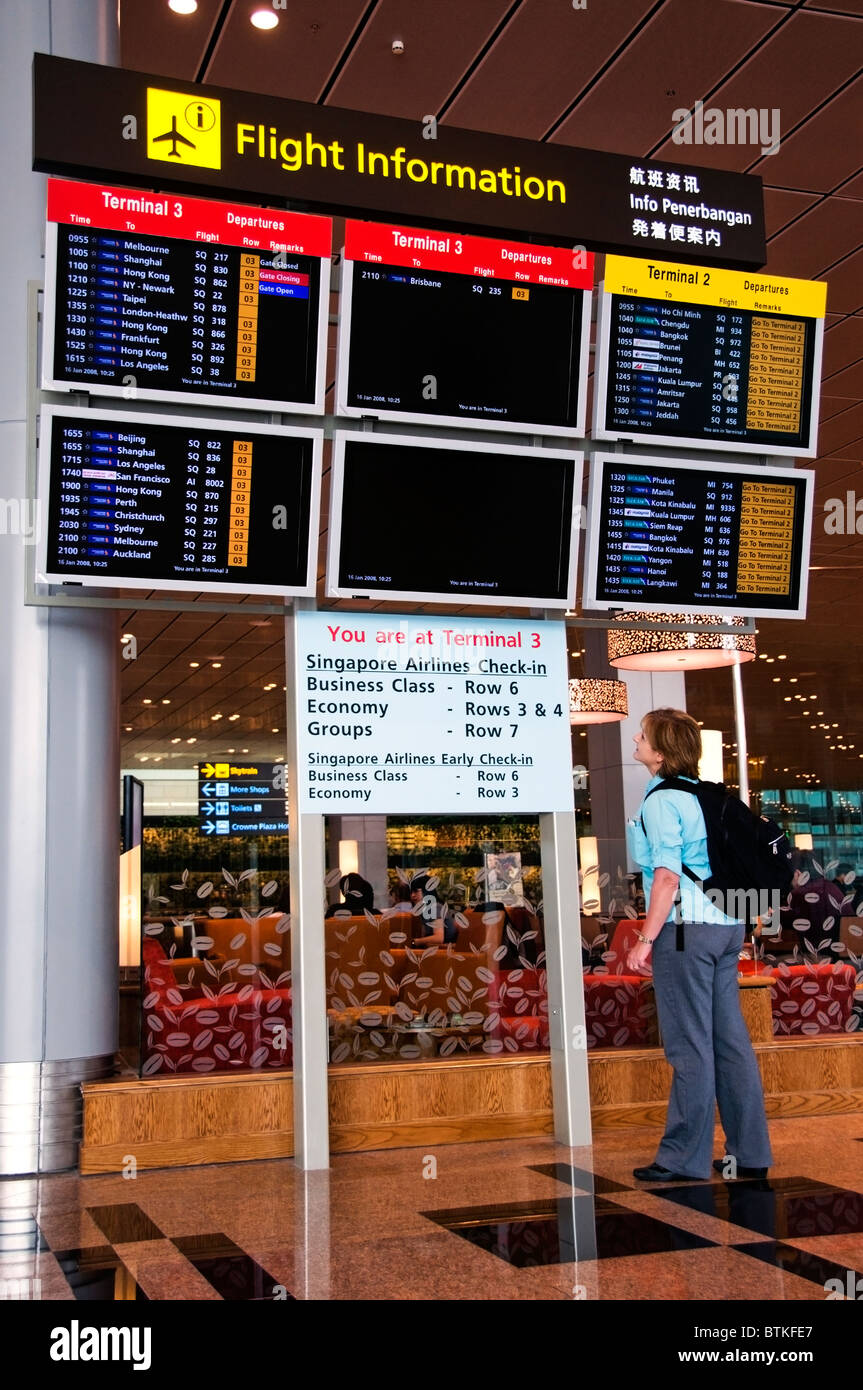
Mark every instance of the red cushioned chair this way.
pixel 619 1009
pixel 808 1000
pixel 194 1028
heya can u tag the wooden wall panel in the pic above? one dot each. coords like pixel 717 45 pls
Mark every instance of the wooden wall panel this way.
pixel 170 1122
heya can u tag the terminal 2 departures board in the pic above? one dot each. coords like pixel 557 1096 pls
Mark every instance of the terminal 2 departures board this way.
pixel 156 296
pixel 681 536
pixel 172 502
pixel 689 356
pixel 443 328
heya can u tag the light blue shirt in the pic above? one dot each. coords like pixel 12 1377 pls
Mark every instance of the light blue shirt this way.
pixel 674 834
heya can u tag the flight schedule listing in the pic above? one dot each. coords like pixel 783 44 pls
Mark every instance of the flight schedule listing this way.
pixel 159 296
pixel 464 328
pixel 673 536
pixel 699 372
pixel 416 713
pixel 150 501
pixel 691 354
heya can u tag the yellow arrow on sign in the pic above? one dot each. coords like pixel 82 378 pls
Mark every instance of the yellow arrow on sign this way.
pixel 208 770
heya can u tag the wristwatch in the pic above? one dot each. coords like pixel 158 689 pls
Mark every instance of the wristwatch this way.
pixel 648 940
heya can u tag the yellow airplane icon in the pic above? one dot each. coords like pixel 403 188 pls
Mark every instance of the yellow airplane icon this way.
pixel 183 129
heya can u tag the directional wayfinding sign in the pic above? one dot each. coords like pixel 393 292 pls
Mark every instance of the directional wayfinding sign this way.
pixel 242 799
pixel 431 714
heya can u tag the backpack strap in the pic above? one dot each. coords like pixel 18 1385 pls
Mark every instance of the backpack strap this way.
pixel 677 784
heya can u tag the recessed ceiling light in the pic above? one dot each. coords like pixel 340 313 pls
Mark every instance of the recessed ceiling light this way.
pixel 782 657
pixel 176 740
pixel 215 716
pixel 217 665
pixel 147 702
pixel 264 19
pixel 183 6
pixel 275 731
pixel 128 728
pixel 776 678
pixel 232 717
pixel 166 702
pixel 194 663
pixel 191 740
pixel 245 750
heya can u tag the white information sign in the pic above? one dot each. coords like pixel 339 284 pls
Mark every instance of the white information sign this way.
pixel 430 714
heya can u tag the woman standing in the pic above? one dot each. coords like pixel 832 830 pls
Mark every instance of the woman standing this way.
pixel 695 949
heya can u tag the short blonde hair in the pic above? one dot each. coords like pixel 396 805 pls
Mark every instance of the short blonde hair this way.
pixel 674 734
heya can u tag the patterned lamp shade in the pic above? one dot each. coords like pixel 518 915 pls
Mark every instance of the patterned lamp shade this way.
pixel 597 702
pixel 638 650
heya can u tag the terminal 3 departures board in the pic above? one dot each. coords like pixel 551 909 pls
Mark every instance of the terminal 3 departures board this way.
pixel 444 328
pixel 689 355
pixel 161 297
pixel 676 536
pixel 171 502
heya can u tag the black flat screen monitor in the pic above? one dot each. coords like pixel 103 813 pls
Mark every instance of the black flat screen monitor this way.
pixel 168 298
pixel 479 332
pixel 171 502
pixel 437 521
pixel 712 538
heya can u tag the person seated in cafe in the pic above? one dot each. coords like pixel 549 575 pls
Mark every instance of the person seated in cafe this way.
pixel 399 899
pixel 813 899
pixel 359 897
pixel 433 917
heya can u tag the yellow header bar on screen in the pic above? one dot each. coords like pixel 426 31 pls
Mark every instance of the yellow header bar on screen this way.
pixel 727 289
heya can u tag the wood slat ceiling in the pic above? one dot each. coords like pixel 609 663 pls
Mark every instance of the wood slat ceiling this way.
pixel 607 76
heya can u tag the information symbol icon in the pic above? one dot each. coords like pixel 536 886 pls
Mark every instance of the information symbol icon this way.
pixel 200 115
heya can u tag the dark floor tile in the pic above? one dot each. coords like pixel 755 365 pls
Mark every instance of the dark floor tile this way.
pixel 579 1177
pixel 125 1224
pixel 804 1263
pixel 232 1273
pixel 788 1208
pixel 563 1230
pixel 99 1275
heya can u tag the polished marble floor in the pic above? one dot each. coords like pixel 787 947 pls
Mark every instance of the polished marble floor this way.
pixel 511 1220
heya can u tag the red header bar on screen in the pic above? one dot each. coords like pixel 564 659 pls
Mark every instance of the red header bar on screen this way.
pixel 136 212
pixel 420 249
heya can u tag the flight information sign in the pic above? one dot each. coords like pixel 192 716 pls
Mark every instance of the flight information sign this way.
pixel 463 330
pixel 170 298
pixel 243 799
pixel 667 535
pixel 172 502
pixel 689 356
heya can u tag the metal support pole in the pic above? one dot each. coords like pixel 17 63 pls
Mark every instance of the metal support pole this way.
pixel 567 1031
pixel 309 1015
pixel 740 731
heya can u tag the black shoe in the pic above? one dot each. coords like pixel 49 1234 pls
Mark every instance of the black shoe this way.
pixel 740 1171
pixel 656 1173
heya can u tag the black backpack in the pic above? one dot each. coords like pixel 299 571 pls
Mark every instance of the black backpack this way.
pixel 745 851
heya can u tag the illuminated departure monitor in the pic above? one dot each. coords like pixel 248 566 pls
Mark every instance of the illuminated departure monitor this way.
pixel 161 297
pixel 171 502
pixel 689 355
pixel 463 330
pixel 445 521
pixel 674 536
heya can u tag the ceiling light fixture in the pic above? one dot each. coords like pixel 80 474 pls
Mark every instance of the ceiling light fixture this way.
pixel 597 701
pixel 264 19
pixel 633 649
pixel 183 6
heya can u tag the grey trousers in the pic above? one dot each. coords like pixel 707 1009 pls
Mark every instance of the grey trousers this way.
pixel 707 1043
